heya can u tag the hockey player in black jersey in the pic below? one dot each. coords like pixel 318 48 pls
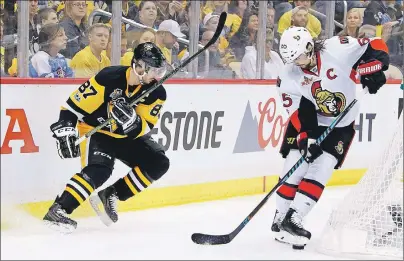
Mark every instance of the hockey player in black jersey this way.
pixel 105 95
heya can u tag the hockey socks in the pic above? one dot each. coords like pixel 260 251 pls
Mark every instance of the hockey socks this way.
pixel 77 190
pixel 133 183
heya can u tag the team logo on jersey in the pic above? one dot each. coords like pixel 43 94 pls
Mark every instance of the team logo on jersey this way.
pixel 340 147
pixel 77 97
pixel 330 104
pixel 116 94
pixel 307 80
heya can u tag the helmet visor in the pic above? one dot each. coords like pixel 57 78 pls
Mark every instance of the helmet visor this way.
pixel 142 69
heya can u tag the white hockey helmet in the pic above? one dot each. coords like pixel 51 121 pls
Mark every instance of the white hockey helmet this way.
pixel 294 42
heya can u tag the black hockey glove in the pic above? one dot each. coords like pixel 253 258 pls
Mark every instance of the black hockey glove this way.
pixel 308 147
pixel 372 75
pixel 125 116
pixel 66 135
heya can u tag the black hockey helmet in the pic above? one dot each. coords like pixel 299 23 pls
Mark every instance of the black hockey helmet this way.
pixel 150 54
pixel 148 59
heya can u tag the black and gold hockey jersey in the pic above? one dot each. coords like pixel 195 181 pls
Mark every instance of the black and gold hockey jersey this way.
pixel 92 102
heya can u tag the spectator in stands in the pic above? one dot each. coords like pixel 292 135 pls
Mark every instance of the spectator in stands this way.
pixel 270 17
pixel 168 10
pixel 33 27
pixel 367 31
pixel 147 15
pixel 216 69
pixel 210 22
pixel 299 16
pixel 237 9
pixel 48 62
pixel 245 36
pixel 281 7
pixel 183 20
pixel 321 6
pixel 129 11
pixel 47 16
pixel 376 13
pixel 124 45
pixel 2 72
pixel 273 63
pixel 166 38
pixel 75 24
pixel 89 61
pixel 353 22
pixel 143 36
pixel 214 6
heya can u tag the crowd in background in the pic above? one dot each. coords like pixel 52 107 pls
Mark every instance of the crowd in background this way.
pixel 63 44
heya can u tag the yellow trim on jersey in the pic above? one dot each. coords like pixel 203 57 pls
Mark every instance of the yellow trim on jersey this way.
pixel 127 85
pixel 131 187
pixel 87 100
pixel 144 111
pixel 84 183
pixel 142 177
pixel 134 92
pixel 75 195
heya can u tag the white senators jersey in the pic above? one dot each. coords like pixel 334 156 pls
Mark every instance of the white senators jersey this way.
pixel 288 88
pixel 331 85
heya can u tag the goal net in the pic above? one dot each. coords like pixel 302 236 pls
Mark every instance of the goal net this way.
pixel 369 220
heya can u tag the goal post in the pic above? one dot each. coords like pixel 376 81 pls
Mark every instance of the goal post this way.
pixel 369 220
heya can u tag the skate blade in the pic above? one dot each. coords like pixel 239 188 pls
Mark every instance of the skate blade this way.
pixel 98 207
pixel 59 227
pixel 288 239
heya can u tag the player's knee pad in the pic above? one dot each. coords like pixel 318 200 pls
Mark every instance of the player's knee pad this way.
pixel 159 167
pixel 98 174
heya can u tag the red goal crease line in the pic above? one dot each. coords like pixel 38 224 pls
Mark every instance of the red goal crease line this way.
pixel 64 81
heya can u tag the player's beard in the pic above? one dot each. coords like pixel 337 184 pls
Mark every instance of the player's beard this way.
pixel 310 65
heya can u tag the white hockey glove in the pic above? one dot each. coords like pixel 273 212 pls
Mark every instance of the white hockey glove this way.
pixel 125 116
pixel 66 135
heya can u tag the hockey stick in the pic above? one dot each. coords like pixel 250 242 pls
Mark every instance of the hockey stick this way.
pixel 205 239
pixel 215 37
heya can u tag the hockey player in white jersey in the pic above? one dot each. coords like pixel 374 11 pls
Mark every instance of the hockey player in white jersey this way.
pixel 316 84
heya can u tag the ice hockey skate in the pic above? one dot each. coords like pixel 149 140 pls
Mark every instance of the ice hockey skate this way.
pixel 104 204
pixel 56 218
pixel 292 224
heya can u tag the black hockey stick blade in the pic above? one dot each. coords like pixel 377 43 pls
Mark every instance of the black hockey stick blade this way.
pixel 215 37
pixel 203 239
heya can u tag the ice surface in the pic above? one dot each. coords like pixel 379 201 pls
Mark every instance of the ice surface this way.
pixel 165 233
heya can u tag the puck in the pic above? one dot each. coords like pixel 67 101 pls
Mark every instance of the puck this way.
pixel 298 247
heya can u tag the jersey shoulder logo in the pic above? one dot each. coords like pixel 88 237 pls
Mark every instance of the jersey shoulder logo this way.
pixel 330 104
pixel 307 80
pixel 343 40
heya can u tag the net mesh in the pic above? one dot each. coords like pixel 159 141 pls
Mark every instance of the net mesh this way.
pixel 369 220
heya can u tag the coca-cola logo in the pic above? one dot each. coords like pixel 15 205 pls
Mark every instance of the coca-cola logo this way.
pixel 270 119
